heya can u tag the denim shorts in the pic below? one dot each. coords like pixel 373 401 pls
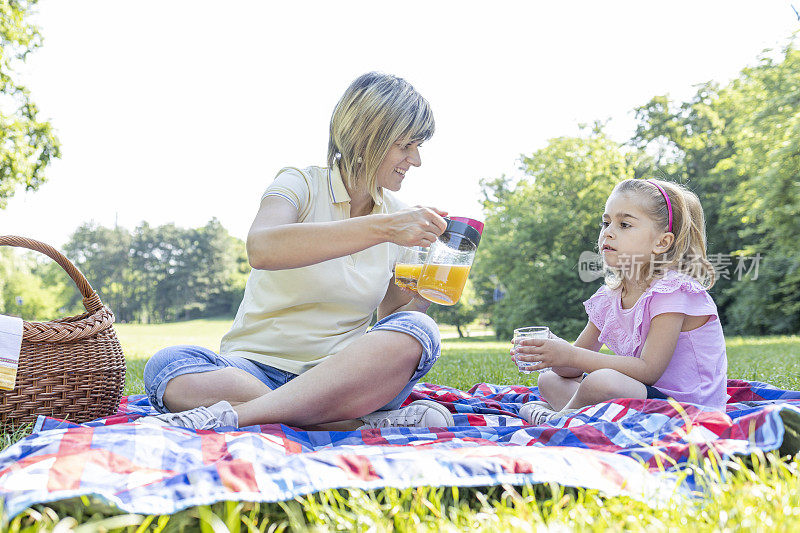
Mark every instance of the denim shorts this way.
pixel 175 361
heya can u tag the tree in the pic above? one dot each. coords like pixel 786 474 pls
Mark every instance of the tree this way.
pixel 690 141
pixel 157 273
pixel 162 273
pixel 537 229
pixel 27 144
pixel 103 256
pixel 210 267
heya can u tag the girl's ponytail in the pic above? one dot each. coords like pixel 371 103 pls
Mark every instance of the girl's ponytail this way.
pixel 688 252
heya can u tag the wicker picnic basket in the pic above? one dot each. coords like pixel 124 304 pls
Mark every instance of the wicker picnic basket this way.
pixel 70 368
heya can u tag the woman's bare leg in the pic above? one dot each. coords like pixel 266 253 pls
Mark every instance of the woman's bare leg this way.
pixel 231 384
pixel 363 377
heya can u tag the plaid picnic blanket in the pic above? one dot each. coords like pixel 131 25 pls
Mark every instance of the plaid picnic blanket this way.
pixel 621 447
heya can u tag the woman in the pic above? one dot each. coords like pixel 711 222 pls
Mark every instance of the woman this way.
pixel 322 248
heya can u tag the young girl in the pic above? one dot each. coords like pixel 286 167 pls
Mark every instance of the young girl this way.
pixel 654 312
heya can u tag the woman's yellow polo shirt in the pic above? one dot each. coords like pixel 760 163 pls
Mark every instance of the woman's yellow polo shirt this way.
pixel 293 319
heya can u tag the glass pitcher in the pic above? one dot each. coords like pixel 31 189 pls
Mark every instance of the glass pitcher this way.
pixel 449 261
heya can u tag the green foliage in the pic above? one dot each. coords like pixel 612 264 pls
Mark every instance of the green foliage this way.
pixel 24 292
pixel 153 275
pixel 27 144
pixel 102 256
pixel 163 273
pixel 759 305
pixel 537 229
pixel 181 274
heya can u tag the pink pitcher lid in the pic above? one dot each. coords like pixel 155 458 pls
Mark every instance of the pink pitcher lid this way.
pixel 477 224
pixel 467 227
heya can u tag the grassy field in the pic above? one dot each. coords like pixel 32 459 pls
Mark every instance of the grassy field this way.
pixel 761 496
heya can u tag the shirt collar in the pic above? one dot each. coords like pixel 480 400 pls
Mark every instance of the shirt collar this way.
pixel 336 186
pixel 379 198
pixel 338 191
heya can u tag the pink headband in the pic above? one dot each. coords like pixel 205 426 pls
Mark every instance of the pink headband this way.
pixel 669 205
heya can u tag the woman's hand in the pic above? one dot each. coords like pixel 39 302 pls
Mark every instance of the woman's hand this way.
pixel 547 353
pixel 416 226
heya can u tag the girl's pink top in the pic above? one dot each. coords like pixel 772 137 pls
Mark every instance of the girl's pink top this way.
pixel 697 372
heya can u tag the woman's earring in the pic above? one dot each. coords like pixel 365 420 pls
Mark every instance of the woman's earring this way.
pixel 359 160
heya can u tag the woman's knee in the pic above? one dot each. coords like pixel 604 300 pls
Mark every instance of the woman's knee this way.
pixel 165 357
pixel 424 330
pixel 157 362
pixel 428 327
pixel 171 362
pixel 418 325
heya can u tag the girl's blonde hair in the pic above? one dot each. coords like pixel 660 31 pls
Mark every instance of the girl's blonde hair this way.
pixel 376 111
pixel 687 254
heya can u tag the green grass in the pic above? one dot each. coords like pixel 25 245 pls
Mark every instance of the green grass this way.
pixel 759 494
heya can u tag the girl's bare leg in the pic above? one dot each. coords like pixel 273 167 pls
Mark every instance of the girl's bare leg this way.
pixel 557 390
pixel 603 385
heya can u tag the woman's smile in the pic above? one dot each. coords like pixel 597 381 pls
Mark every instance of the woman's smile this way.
pixel 390 174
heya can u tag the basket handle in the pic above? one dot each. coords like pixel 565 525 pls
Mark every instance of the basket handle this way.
pixel 91 301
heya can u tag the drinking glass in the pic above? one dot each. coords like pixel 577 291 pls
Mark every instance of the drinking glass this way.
pixel 408 266
pixel 532 332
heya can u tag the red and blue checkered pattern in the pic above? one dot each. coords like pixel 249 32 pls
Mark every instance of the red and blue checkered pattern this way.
pixel 615 447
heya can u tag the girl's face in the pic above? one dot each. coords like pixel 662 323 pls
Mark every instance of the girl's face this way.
pixel 628 237
pixel 400 158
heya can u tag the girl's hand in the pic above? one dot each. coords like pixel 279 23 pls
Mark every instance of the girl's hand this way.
pixel 547 353
pixel 416 226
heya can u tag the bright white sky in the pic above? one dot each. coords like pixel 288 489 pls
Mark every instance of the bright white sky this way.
pixel 181 111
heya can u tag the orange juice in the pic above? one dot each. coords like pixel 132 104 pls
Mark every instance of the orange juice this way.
pixel 442 284
pixel 406 275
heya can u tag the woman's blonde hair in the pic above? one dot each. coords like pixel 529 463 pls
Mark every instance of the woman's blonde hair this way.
pixel 687 254
pixel 376 111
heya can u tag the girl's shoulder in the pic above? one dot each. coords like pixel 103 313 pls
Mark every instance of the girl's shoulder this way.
pixel 673 282
pixel 676 293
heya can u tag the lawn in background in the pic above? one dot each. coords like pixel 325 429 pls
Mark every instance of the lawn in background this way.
pixel 762 496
